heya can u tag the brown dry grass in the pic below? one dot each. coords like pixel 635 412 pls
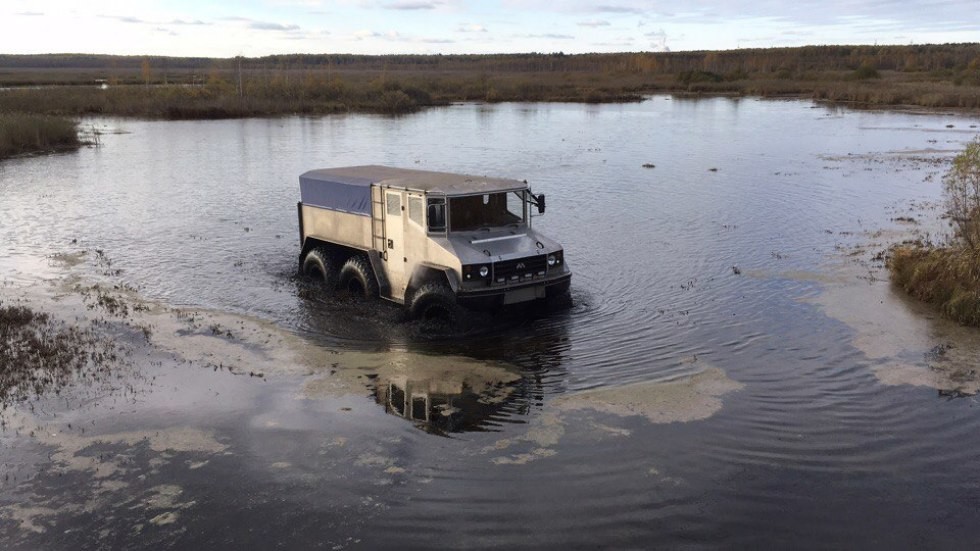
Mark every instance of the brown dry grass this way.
pixel 946 277
pixel 32 133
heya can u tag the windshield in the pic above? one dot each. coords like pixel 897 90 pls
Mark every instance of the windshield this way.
pixel 491 210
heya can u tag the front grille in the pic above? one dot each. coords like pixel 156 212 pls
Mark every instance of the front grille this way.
pixel 519 269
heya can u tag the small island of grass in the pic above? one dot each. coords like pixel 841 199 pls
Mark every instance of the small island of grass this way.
pixel 28 133
pixel 948 276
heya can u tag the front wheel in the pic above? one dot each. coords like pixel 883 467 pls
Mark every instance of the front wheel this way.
pixel 435 301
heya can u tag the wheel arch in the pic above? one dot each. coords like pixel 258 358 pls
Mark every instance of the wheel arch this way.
pixel 426 273
pixel 338 251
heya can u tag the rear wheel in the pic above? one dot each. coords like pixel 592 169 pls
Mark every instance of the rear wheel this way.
pixel 435 301
pixel 319 265
pixel 357 276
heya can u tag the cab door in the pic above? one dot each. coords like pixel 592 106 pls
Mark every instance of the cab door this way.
pixel 396 258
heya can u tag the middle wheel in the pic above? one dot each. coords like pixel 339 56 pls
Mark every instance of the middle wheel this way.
pixel 357 276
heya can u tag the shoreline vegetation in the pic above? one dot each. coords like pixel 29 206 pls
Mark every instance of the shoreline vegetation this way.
pixel 28 133
pixel 931 76
pixel 41 94
pixel 948 275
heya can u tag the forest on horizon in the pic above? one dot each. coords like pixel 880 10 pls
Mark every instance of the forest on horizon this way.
pixel 930 76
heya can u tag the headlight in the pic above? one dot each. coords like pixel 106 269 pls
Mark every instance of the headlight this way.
pixel 551 260
pixel 475 271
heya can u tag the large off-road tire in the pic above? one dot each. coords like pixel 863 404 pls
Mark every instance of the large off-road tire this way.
pixel 435 301
pixel 319 264
pixel 357 276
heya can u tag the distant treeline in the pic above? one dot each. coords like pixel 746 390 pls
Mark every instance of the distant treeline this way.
pixel 934 76
pixel 928 57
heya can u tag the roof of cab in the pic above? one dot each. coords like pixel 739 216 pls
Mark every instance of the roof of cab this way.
pixel 418 180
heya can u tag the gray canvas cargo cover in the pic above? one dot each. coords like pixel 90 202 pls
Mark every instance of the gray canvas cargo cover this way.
pixel 336 190
pixel 348 189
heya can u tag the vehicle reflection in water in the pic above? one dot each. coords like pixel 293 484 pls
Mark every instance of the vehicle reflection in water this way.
pixel 456 401
pixel 445 382
pixel 454 393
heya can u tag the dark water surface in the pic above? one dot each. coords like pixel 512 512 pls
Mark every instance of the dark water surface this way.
pixel 712 262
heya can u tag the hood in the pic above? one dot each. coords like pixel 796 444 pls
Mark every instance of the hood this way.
pixel 477 247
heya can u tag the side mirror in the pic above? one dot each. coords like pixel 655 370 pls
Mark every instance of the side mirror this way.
pixel 540 200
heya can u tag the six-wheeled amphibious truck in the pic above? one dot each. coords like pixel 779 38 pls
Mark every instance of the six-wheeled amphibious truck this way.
pixel 428 240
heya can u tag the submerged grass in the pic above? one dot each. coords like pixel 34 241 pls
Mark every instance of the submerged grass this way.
pixel 946 277
pixel 38 354
pixel 22 133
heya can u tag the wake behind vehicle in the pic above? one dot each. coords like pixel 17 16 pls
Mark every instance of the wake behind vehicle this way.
pixel 431 241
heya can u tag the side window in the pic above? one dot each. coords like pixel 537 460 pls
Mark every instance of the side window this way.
pixel 394 202
pixel 437 214
pixel 415 209
pixel 515 205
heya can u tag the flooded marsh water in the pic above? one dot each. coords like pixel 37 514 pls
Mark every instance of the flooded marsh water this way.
pixel 735 370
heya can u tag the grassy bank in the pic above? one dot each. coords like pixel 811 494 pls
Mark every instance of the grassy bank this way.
pixel 948 277
pixel 311 93
pixel 22 133
pixel 316 93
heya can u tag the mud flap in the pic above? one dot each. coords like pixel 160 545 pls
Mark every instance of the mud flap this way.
pixel 384 287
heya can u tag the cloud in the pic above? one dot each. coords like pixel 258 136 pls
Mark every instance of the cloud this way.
pixel 471 28
pixel 551 36
pixel 270 26
pixel 361 35
pixel 29 13
pixel 182 22
pixel 594 23
pixel 124 19
pixel 393 36
pixel 138 21
pixel 410 5
pixel 300 3
pixel 659 42
pixel 625 43
pixel 165 31
pixel 617 9
pixel 262 25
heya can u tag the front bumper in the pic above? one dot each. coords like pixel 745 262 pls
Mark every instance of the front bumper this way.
pixel 494 296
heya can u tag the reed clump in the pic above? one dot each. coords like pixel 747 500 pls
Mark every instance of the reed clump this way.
pixel 23 133
pixel 948 277
pixel 261 95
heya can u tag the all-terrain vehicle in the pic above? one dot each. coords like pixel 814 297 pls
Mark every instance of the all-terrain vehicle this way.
pixel 431 241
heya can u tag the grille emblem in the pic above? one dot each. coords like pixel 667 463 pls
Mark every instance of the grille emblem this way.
pixel 521 266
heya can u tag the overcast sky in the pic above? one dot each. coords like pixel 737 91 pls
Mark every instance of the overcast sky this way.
pixel 261 27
